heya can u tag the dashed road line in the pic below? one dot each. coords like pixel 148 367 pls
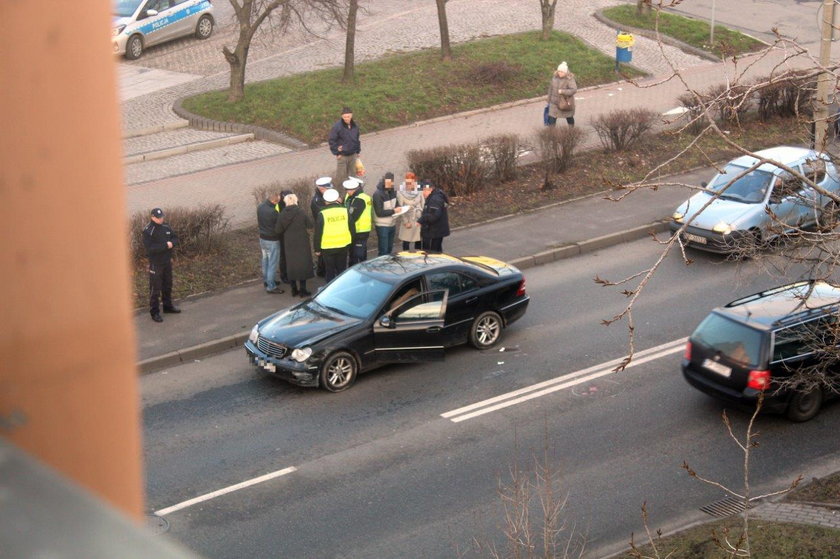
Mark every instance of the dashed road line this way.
pixel 225 491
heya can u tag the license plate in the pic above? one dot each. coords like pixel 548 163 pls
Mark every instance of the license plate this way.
pixel 695 238
pixel 270 367
pixel 718 368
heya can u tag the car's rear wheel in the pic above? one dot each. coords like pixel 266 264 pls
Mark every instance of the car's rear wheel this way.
pixel 339 371
pixel 805 405
pixel 204 27
pixel 134 47
pixel 486 330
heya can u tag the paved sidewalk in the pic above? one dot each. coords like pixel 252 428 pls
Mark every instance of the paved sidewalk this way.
pixel 800 513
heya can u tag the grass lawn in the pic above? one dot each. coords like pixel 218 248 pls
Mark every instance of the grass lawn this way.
pixel 768 540
pixel 404 88
pixel 691 31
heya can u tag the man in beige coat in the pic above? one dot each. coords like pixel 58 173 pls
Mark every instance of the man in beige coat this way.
pixel 561 96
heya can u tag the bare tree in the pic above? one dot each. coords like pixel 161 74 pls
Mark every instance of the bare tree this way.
pixel 547 9
pixel 252 14
pixel 350 43
pixel 445 48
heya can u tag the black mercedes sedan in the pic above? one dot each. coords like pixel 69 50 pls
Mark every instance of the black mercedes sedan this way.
pixel 401 308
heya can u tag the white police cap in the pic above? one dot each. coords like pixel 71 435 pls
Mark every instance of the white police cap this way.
pixel 330 195
pixel 351 184
pixel 323 182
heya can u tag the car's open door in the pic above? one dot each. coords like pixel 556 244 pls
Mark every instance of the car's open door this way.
pixel 412 331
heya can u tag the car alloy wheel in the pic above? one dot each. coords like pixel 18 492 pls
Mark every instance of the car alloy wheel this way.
pixel 204 28
pixel 134 47
pixel 805 405
pixel 339 372
pixel 486 330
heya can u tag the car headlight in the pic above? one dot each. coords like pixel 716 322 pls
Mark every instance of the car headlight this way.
pixel 302 354
pixel 678 217
pixel 723 228
pixel 255 333
pixel 117 30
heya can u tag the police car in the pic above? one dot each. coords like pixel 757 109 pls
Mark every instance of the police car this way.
pixel 138 24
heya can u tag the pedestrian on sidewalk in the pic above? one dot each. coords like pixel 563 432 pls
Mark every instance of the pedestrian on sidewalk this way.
pixel 561 95
pixel 434 223
pixel 385 210
pixel 333 235
pixel 279 207
pixel 345 145
pixel 269 241
pixel 293 224
pixel 408 196
pixel 159 240
pixel 360 207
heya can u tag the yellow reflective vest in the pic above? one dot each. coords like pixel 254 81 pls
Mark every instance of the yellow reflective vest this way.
pixel 336 232
pixel 365 221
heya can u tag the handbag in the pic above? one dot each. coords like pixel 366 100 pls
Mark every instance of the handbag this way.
pixel 360 168
pixel 564 103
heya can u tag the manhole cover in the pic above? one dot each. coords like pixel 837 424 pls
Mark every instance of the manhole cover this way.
pixel 725 507
pixel 157 524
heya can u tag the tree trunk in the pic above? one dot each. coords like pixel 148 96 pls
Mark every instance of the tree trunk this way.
pixel 445 48
pixel 237 61
pixel 547 7
pixel 350 44
pixel 643 7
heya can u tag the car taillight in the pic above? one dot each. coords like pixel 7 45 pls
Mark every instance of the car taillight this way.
pixel 521 290
pixel 759 380
pixel 687 354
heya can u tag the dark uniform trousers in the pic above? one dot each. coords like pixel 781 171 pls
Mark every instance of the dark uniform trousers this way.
pixel 160 286
pixel 335 262
pixel 433 244
pixel 358 250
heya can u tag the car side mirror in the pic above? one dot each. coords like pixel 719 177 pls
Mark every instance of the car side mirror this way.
pixel 385 321
pixel 151 13
pixel 704 184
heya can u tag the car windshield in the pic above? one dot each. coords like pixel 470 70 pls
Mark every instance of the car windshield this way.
pixel 125 8
pixel 750 188
pixel 354 294
pixel 737 342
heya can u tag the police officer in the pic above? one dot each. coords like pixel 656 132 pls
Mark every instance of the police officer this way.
pixel 360 207
pixel 159 240
pixel 333 235
pixel 316 204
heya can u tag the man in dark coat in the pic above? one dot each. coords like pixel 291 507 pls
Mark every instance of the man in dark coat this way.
pixel 267 213
pixel 159 240
pixel 434 222
pixel 345 144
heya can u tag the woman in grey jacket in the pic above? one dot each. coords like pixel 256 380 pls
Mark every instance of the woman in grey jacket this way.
pixel 561 96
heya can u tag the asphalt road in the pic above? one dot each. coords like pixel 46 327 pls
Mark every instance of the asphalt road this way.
pixel 379 472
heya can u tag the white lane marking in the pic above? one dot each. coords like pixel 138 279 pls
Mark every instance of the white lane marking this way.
pixel 225 491
pixel 560 383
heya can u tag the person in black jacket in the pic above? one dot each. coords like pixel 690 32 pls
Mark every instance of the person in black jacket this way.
pixel 159 240
pixel 293 224
pixel 345 145
pixel 434 222
pixel 267 213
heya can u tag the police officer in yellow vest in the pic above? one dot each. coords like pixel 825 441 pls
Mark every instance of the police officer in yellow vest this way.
pixel 360 207
pixel 333 235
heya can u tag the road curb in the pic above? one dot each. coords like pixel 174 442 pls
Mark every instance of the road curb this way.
pixel 200 351
pixel 187 148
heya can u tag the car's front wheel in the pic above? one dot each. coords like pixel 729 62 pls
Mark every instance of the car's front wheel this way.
pixel 339 371
pixel 805 405
pixel 204 27
pixel 486 330
pixel 134 47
